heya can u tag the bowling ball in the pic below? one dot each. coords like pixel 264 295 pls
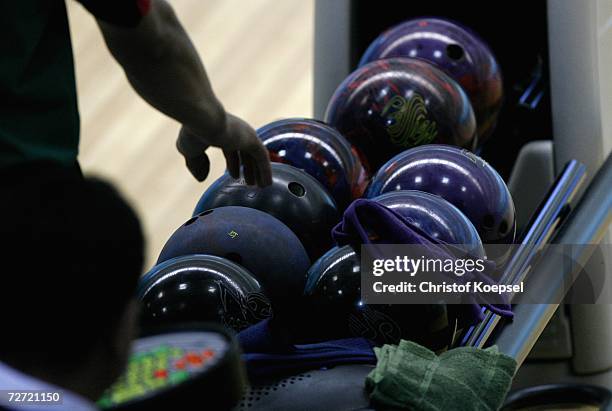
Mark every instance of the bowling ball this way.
pixel 460 177
pixel 294 197
pixel 333 294
pixel 388 106
pixel 319 150
pixel 251 238
pixel 455 50
pixel 202 288
pixel 436 217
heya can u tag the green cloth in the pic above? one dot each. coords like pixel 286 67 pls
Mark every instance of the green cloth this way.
pixel 39 116
pixel 411 377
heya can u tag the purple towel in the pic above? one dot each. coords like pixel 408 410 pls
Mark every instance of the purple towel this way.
pixel 267 352
pixel 369 222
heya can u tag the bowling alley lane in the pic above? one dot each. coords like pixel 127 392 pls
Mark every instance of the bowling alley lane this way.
pixel 125 140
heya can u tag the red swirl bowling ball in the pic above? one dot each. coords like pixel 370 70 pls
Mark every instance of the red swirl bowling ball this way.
pixel 455 50
pixel 320 151
pixel 388 106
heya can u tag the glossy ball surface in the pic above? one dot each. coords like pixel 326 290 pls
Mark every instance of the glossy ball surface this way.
pixel 458 52
pixel 202 288
pixel 294 197
pixel 388 106
pixel 319 150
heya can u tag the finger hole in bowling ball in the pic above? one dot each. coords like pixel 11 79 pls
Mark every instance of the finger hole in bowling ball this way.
pixel 454 51
pixel 503 227
pixel 488 221
pixel 190 221
pixel 235 257
pixel 297 189
pixel 203 213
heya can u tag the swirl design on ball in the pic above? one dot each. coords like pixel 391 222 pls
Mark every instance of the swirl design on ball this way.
pixel 409 125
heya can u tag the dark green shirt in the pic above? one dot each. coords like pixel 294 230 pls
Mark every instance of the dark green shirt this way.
pixel 39 116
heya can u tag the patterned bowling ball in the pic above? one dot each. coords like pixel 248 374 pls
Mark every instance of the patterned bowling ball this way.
pixel 388 106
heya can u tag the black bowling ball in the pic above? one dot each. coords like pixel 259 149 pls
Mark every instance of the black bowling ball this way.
pixel 202 288
pixel 294 197
pixel 333 296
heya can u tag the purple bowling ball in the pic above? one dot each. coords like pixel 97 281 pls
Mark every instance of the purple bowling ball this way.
pixel 436 217
pixel 455 50
pixel 390 105
pixel 319 150
pixel 460 177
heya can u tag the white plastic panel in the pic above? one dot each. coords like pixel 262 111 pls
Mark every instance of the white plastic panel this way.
pixel 332 50
pixel 532 175
pixel 580 43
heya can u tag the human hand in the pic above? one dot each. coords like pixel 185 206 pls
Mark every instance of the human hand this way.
pixel 240 145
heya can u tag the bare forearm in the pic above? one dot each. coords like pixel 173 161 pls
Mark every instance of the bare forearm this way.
pixel 164 68
pixel 176 84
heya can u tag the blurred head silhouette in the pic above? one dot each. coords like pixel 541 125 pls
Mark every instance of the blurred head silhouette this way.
pixel 71 256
